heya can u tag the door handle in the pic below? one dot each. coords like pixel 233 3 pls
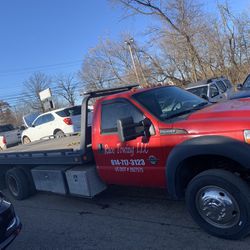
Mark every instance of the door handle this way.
pixel 100 148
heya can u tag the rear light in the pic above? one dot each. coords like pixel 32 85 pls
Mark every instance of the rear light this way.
pixel 68 121
pixel 4 140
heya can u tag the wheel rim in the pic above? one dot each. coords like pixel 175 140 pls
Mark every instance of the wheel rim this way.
pixel 26 140
pixel 217 207
pixel 59 134
pixel 13 185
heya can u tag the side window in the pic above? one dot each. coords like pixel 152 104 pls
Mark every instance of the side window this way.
pixel 48 118
pixel 39 121
pixel 214 91
pixel 228 83
pixel 111 112
pixel 44 119
pixel 221 86
pixel 247 82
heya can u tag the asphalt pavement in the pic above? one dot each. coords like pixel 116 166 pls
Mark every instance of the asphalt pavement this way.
pixel 119 218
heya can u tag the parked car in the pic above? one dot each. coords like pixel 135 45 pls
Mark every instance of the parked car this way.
pixel 55 123
pixel 10 224
pixel 243 89
pixel 213 90
pixel 9 136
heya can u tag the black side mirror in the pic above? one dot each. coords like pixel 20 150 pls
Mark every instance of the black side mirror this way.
pixel 129 130
pixel 239 86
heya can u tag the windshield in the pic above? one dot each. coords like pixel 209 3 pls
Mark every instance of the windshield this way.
pixel 246 83
pixel 28 119
pixel 199 91
pixel 76 110
pixel 168 102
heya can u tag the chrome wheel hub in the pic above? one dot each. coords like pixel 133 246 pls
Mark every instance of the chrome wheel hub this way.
pixel 217 207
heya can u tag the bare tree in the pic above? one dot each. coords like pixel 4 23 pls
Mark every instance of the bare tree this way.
pixel 113 63
pixel 32 87
pixel 67 87
pixel 182 19
pixel 192 45
pixel 6 114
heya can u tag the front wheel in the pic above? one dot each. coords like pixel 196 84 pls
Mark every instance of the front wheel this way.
pixel 26 140
pixel 219 202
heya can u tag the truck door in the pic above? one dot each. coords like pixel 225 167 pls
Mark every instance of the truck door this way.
pixel 135 162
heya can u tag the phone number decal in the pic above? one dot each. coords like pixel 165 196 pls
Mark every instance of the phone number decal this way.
pixel 125 162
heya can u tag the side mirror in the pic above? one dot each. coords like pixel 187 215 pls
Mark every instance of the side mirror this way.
pixel 129 130
pixel 239 86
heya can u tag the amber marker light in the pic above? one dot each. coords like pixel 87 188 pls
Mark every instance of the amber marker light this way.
pixel 247 136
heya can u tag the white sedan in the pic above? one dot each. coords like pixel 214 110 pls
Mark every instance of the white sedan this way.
pixel 54 123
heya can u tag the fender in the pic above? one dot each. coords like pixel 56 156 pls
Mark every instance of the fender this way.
pixel 204 145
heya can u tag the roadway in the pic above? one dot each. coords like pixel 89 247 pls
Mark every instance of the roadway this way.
pixel 119 218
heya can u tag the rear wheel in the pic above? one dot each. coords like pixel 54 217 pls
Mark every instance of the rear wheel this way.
pixel 26 140
pixel 59 133
pixel 32 187
pixel 219 202
pixel 17 183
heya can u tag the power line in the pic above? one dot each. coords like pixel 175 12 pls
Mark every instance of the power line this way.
pixel 23 70
pixel 16 97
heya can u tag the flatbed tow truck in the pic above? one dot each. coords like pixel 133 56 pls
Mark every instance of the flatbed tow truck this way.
pixel 161 137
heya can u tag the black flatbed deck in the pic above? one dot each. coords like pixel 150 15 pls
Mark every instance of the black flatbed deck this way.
pixel 68 142
pixel 59 151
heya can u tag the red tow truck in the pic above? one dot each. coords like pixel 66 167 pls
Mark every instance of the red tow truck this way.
pixel 161 137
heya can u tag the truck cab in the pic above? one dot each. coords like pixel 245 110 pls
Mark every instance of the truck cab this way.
pixel 161 137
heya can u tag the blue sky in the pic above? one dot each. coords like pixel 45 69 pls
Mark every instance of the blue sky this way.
pixel 54 35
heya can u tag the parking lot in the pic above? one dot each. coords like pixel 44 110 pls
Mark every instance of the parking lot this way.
pixel 119 218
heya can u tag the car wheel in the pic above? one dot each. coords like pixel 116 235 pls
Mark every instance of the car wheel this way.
pixel 17 183
pixel 219 202
pixel 26 140
pixel 59 133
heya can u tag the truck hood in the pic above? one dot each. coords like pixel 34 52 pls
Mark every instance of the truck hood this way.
pixel 229 109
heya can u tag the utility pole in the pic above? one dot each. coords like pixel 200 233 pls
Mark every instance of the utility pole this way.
pixel 129 43
pixel 133 55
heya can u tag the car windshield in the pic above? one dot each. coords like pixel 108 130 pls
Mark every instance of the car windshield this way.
pixel 246 83
pixel 199 91
pixel 169 102
pixel 76 110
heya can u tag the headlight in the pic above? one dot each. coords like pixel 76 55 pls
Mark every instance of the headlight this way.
pixel 247 136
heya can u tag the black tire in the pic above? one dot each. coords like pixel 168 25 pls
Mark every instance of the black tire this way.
pixel 17 183
pixel 207 197
pixel 32 187
pixel 59 133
